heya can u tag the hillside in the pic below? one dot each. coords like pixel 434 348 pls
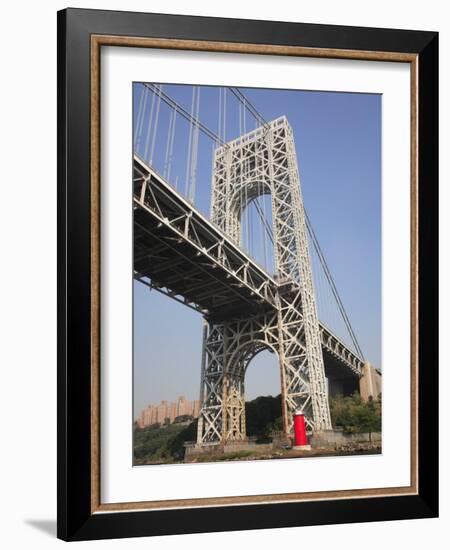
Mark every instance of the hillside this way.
pixel 158 444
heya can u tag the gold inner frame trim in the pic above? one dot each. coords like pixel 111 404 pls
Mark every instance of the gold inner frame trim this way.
pixel 97 41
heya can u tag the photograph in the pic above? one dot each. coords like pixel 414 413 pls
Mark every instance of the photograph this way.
pixel 257 275
pixel 247 273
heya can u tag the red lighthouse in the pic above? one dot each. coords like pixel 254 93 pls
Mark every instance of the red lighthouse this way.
pixel 300 437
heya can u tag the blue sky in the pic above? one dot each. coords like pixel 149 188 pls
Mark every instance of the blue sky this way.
pixel 338 143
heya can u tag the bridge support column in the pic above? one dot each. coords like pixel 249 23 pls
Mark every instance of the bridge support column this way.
pixel 210 422
pixel 228 348
pixel 303 388
pixel 264 162
pixel 222 414
pixel 370 382
pixel 234 408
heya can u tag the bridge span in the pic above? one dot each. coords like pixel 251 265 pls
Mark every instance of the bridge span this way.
pixel 182 254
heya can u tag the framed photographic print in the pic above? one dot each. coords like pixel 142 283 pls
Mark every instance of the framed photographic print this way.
pixel 247 274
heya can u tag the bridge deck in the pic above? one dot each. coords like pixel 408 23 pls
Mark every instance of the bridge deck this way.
pixel 181 253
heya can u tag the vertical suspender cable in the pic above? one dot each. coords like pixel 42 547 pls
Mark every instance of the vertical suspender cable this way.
pixel 140 116
pixel 149 129
pixel 170 142
pixel 247 176
pixel 225 114
pixel 155 125
pixel 241 180
pixel 219 124
pixel 169 137
pixel 194 162
pixel 188 163
pixel 242 187
pixel 219 133
pixel 171 145
pixel 266 263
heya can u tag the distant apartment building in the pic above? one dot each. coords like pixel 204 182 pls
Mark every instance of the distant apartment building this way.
pixel 168 412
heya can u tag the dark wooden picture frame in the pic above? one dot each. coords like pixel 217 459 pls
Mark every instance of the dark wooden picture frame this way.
pixel 81 34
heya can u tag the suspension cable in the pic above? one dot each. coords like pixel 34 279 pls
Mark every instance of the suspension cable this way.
pixel 220 139
pixel 189 155
pixel 332 285
pixel 140 115
pixel 194 162
pixel 219 123
pixel 264 221
pixel 169 145
pixel 155 125
pixel 241 97
pixel 249 106
pixel 146 150
pixel 191 119
pixel 326 270
pixel 224 120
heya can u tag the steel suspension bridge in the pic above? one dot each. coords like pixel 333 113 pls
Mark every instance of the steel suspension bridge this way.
pixel 252 268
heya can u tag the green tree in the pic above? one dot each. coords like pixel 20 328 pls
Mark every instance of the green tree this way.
pixel 354 415
pixel 183 418
pixel 260 415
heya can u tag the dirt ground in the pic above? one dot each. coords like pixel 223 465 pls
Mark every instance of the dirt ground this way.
pixel 347 450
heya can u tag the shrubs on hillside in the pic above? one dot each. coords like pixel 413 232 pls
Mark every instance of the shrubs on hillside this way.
pixel 262 417
pixel 354 415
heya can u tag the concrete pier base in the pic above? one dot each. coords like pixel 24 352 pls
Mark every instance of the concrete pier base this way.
pixel 370 382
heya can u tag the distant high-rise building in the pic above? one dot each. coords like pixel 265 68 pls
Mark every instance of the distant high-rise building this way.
pixel 174 406
pixel 154 414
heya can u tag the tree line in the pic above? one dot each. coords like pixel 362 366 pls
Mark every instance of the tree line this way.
pixel 165 443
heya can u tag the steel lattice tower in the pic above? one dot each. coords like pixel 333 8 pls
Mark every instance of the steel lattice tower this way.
pixel 258 163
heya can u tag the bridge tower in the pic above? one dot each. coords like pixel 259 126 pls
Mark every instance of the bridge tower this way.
pixel 264 162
